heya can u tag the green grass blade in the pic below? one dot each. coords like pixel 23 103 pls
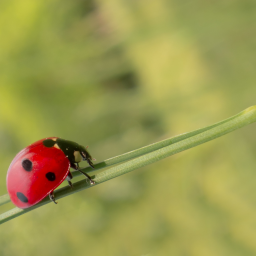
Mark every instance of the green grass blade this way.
pixel 137 152
pixel 206 134
pixel 150 148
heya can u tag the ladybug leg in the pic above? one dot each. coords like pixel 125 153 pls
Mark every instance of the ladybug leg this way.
pixel 85 174
pixel 74 166
pixel 69 177
pixel 90 162
pixel 51 195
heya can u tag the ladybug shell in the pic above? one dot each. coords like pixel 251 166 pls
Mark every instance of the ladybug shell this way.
pixel 35 172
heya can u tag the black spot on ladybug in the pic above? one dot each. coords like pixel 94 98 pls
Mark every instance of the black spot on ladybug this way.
pixel 50 176
pixel 49 143
pixel 22 197
pixel 27 165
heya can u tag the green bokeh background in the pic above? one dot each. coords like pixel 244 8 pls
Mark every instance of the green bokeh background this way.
pixel 117 75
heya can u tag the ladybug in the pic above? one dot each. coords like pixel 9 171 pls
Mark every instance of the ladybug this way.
pixel 41 167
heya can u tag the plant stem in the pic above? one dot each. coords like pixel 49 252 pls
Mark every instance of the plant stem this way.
pixel 148 155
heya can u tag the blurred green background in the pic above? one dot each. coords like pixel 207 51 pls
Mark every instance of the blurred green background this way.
pixel 117 75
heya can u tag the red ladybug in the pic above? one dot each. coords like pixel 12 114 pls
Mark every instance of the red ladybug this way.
pixel 41 167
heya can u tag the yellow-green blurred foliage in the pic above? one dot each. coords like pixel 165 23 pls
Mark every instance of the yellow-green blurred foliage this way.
pixel 117 75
